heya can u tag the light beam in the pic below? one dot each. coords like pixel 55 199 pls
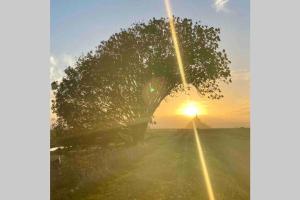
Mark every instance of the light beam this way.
pixel 181 70
pixel 203 164
pixel 175 41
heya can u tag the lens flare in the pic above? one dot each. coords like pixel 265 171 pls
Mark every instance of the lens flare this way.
pixel 175 41
pixel 203 164
pixel 181 69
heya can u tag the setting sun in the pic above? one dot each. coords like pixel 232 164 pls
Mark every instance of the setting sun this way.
pixel 191 109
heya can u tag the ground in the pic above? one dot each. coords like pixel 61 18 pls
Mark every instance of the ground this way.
pixel 166 166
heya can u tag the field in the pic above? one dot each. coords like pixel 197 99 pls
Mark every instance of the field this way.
pixel 166 166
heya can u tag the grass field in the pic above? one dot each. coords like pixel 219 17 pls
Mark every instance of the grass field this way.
pixel 166 166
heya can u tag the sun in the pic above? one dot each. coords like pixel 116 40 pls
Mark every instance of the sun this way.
pixel 191 109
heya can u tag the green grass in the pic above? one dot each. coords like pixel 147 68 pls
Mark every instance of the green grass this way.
pixel 165 167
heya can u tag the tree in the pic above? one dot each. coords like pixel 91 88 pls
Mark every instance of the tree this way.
pixel 119 85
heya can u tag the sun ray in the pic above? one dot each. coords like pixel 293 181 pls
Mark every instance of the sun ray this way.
pixel 203 164
pixel 182 73
pixel 175 41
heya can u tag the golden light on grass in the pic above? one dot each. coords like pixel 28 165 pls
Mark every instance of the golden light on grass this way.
pixel 190 110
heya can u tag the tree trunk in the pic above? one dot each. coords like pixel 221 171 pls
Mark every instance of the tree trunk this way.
pixel 139 131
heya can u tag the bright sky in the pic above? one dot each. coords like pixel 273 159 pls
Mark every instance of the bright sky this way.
pixel 78 26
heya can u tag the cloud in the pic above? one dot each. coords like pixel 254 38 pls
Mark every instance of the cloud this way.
pixel 57 65
pixel 52 61
pixel 220 5
pixel 55 72
pixel 68 60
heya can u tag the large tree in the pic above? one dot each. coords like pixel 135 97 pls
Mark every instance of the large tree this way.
pixel 119 85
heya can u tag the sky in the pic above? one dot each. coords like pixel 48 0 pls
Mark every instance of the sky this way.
pixel 78 26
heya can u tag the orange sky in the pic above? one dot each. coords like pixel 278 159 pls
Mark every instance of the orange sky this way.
pixel 231 111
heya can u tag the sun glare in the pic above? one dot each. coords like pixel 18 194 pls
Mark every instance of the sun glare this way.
pixel 191 109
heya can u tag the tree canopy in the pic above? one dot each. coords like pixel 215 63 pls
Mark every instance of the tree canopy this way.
pixel 119 85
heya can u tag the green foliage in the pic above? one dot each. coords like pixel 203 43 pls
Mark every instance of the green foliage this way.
pixel 122 82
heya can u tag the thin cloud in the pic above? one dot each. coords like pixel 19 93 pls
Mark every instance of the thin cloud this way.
pixel 52 60
pixel 220 5
pixel 55 72
pixel 57 66
pixel 68 60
